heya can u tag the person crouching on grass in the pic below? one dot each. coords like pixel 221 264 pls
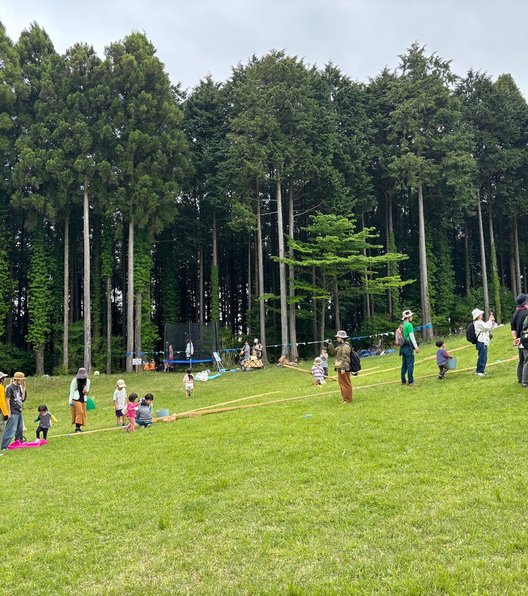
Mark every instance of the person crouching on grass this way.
pixel 342 364
pixel 318 372
pixel 144 412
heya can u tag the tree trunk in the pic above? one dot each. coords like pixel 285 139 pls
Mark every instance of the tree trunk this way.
pixel 291 270
pixel 427 332
pixel 315 329
pixel 108 325
pixel 513 283
pixel 260 259
pixel 282 271
pixel 483 257
pixel 39 361
pixel 87 310
pixel 130 297
pixel 215 291
pixel 389 245
pixel 467 260
pixel 66 296
pixel 249 289
pixel 137 324
pixel 494 269
pixel 518 282
pixel 337 307
pixel 200 286
pixel 367 296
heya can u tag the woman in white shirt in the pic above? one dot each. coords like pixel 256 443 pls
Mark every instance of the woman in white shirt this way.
pixel 483 333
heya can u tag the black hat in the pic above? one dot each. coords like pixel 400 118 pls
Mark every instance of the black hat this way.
pixel 521 299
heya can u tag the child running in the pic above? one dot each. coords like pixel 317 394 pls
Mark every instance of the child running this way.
pixel 442 356
pixel 144 412
pixel 120 396
pixel 188 381
pixel 131 413
pixel 44 419
pixel 318 372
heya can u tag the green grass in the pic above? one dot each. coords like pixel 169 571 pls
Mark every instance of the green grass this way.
pixel 417 491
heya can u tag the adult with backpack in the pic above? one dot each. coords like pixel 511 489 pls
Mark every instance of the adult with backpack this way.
pixel 519 331
pixel 346 362
pixel 408 346
pixel 481 337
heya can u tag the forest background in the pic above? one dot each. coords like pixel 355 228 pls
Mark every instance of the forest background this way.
pixel 284 203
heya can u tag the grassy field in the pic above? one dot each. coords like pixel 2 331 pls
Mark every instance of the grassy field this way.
pixel 408 490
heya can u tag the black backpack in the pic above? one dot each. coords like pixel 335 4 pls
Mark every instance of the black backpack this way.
pixel 471 336
pixel 524 333
pixel 355 362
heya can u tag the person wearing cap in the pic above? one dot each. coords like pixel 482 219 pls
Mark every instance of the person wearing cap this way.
pixel 120 401
pixel 342 364
pixel 79 388
pixel 520 314
pixel 407 350
pixel 15 394
pixel 483 333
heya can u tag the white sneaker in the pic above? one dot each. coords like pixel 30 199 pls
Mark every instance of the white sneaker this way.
pixel 480 374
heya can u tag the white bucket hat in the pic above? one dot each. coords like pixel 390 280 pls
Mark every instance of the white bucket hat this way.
pixel 120 383
pixel 476 312
pixel 342 334
pixel 407 313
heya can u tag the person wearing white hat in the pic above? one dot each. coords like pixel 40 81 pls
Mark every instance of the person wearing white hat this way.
pixel 120 400
pixel 407 350
pixel 257 346
pixel 483 333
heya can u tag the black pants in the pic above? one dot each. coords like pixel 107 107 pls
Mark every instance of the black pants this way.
pixel 44 432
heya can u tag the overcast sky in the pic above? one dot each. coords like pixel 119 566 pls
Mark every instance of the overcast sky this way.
pixel 199 37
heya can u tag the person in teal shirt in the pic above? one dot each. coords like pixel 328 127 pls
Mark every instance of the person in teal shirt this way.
pixel 408 349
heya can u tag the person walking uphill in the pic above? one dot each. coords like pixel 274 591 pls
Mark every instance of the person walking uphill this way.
pixel 342 364
pixel 482 331
pixel 408 349
pixel 517 323
pixel 79 388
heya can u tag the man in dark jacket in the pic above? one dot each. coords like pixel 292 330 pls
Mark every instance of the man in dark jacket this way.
pixel 521 312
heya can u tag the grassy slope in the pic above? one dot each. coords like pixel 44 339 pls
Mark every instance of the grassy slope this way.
pixel 411 490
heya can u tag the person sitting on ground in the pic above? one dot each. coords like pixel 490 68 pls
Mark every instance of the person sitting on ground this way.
pixel 283 361
pixel 442 356
pixel 144 411
pixel 254 361
pixel 318 375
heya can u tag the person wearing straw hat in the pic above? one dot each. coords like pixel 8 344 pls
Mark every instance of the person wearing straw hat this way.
pixel 342 364
pixel 407 350
pixel 15 395
pixel 483 333
pixel 79 388
pixel 120 401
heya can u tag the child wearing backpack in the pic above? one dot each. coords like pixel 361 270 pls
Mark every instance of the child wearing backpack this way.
pixel 483 336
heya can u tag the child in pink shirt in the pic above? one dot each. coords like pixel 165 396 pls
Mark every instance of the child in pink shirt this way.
pixel 131 413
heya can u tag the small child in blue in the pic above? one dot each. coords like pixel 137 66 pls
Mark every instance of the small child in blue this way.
pixel 442 356
pixel 44 419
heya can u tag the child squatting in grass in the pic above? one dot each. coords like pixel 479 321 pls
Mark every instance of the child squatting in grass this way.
pixel 144 411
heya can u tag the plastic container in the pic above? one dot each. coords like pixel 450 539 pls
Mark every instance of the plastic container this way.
pixel 162 413
pixel 452 363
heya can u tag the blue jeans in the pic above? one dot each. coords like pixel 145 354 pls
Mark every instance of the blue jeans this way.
pixel 11 429
pixel 482 356
pixel 407 355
